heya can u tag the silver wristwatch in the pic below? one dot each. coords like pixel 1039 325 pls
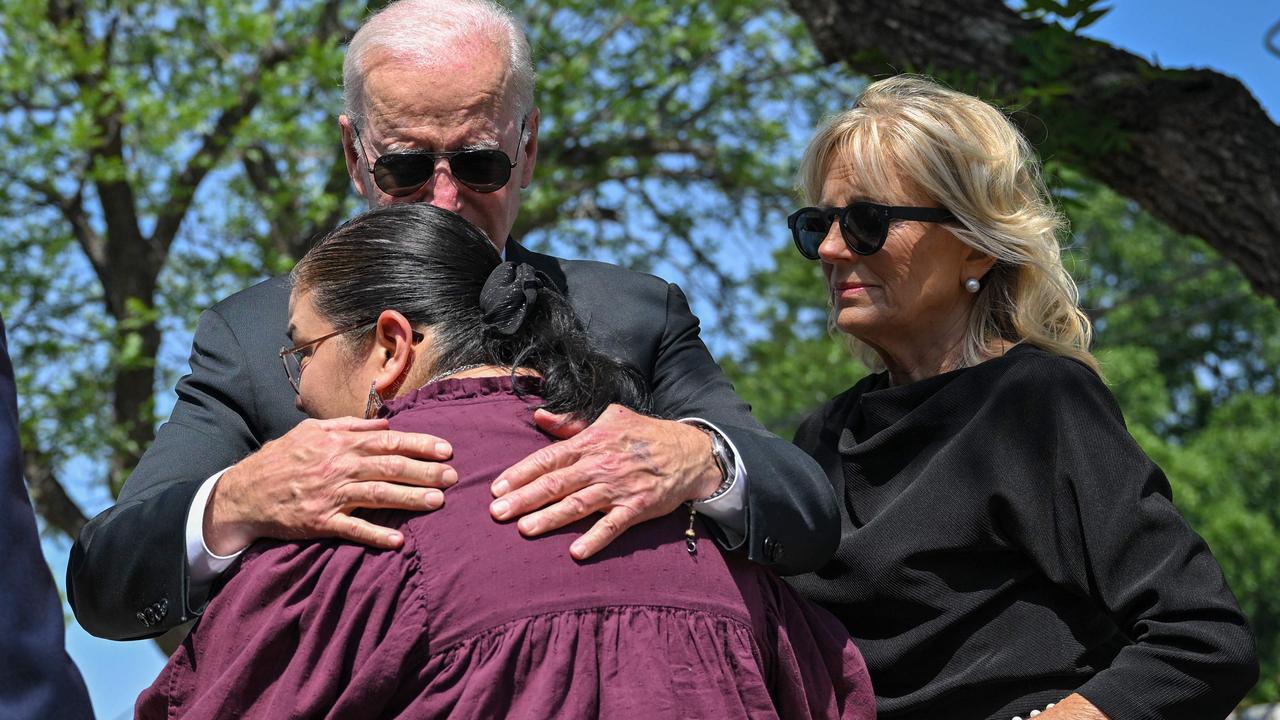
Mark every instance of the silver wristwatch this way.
pixel 723 455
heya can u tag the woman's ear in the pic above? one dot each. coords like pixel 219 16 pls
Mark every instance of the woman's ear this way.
pixel 392 353
pixel 976 265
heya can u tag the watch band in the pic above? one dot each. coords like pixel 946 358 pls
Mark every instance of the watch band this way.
pixel 723 456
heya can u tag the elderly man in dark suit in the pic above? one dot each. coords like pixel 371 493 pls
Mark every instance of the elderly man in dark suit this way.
pixel 38 680
pixel 439 109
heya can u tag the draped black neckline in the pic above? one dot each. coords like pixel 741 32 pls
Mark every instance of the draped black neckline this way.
pixel 882 410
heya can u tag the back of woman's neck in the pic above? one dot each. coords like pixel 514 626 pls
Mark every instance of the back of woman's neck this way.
pixel 466 371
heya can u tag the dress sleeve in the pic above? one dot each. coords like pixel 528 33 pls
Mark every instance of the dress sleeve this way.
pixel 1097 517
pixel 319 628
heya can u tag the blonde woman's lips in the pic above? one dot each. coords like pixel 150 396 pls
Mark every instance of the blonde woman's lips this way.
pixel 848 289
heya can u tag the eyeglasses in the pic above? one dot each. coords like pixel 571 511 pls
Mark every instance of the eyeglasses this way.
pixel 295 358
pixel 863 225
pixel 484 170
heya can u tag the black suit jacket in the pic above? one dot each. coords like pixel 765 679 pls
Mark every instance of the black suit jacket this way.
pixel 127 577
pixel 38 680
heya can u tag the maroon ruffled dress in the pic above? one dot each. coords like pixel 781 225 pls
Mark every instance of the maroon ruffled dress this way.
pixel 471 620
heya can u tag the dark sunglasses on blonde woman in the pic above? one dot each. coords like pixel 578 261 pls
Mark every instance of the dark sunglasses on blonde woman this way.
pixel 863 225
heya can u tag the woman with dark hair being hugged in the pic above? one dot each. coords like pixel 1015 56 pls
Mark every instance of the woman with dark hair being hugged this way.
pixel 1007 549
pixel 408 312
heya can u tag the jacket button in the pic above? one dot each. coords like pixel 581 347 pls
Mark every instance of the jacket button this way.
pixel 772 550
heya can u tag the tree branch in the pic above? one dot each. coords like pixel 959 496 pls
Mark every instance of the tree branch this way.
pixel 62 13
pixel 705 263
pixel 643 146
pixel 1192 147
pixel 72 210
pixel 215 142
pixel 1096 314
pixel 48 496
pixel 337 185
pixel 263 174
pixel 287 232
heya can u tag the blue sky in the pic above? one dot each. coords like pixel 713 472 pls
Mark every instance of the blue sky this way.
pixel 1226 36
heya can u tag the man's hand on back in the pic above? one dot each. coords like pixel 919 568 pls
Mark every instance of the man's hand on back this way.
pixel 628 466
pixel 307 483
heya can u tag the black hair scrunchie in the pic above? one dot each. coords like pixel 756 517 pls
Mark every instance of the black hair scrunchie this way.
pixel 508 293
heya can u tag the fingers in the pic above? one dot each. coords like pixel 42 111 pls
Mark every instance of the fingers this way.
pixel 547 459
pixel 559 455
pixel 354 424
pixel 558 425
pixel 392 442
pixel 403 470
pixel 547 488
pixel 587 501
pixel 305 483
pixel 605 531
pixel 366 533
pixel 385 495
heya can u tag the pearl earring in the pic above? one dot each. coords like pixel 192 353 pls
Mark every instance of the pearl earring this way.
pixel 972 285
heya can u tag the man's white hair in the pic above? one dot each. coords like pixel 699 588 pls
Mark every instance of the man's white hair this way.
pixel 427 33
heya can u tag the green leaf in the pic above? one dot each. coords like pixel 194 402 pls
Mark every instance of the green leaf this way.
pixel 1089 18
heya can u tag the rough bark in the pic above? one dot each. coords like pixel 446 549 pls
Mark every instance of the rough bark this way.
pixel 1192 147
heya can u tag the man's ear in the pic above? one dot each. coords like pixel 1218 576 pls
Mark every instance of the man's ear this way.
pixel 392 350
pixel 530 148
pixel 351 151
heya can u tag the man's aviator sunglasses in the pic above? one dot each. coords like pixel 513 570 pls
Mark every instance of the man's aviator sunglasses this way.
pixel 863 225
pixel 484 170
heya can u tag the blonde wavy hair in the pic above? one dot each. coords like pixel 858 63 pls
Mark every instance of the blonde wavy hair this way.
pixel 911 132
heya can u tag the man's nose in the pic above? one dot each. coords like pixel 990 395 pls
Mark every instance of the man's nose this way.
pixel 442 189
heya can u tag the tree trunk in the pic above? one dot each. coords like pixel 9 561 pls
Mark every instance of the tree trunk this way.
pixel 1192 147
pixel 131 411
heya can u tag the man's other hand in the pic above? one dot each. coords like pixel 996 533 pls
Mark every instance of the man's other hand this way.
pixel 628 466
pixel 307 483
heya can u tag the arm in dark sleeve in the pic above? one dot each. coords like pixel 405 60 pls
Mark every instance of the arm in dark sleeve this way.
pixel 1113 533
pixel 127 576
pixel 792 520
pixel 38 680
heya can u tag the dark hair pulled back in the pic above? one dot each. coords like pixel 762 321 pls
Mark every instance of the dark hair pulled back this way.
pixel 432 266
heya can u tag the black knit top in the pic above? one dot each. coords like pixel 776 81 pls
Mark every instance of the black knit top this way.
pixel 1007 543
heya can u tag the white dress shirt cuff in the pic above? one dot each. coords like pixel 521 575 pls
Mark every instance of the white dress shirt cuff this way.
pixel 729 509
pixel 203 567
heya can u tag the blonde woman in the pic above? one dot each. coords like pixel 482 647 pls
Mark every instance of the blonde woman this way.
pixel 1007 549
